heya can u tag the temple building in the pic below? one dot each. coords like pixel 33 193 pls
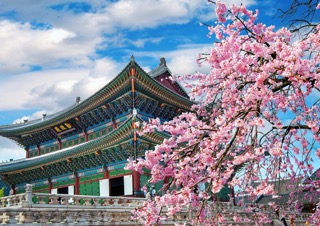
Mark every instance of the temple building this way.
pixel 83 149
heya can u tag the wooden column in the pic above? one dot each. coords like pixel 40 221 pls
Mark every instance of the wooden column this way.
pixel 135 174
pixel 50 186
pixel 27 153
pixel 77 184
pixel 39 151
pixel 136 183
pixel 59 143
pixel 106 173
pixel 114 125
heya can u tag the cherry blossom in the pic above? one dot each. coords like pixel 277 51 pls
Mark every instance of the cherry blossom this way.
pixel 256 119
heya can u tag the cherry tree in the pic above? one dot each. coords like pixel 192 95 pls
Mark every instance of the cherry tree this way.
pixel 302 16
pixel 256 118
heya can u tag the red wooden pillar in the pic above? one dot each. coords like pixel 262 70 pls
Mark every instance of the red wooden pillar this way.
pixel 27 153
pixel 50 186
pixel 59 143
pixel 77 185
pixel 39 150
pixel 106 173
pixel 114 125
pixel 136 183
pixel 86 137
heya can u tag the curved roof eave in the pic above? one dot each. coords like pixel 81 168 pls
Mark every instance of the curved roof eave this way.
pixel 60 116
pixel 71 152
pixel 93 101
pixel 122 133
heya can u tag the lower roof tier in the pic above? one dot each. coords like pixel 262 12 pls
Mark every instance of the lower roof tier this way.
pixel 117 146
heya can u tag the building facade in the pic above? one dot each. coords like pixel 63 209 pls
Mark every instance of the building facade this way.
pixel 83 149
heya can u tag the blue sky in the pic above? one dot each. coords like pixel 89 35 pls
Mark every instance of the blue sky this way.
pixel 53 51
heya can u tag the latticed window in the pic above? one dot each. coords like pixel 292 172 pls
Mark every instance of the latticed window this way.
pixel 91 136
pixel 82 139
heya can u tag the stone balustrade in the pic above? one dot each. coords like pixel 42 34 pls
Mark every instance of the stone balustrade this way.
pixel 60 216
pixel 84 200
pixel 41 208
pixel 12 200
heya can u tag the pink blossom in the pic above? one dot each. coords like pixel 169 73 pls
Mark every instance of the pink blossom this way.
pixel 238 123
pixel 259 151
pixel 221 11
pixel 256 119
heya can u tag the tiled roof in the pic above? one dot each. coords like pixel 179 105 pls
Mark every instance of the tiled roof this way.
pixel 108 91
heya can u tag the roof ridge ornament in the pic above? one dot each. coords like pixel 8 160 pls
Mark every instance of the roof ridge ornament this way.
pixel 78 100
pixel 132 60
pixel 134 112
pixel 163 61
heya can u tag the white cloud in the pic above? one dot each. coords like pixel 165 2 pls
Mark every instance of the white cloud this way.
pixel 243 2
pixel 69 39
pixel 142 41
pixel 35 115
pixel 10 150
pixel 23 46
pixel 184 61
pixel 54 90
pixel 130 14
pixel 21 89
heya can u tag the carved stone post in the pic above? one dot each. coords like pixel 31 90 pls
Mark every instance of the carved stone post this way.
pixel 28 196
pixel 8 202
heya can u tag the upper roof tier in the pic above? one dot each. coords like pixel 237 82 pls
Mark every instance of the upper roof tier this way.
pixel 151 84
pixel 162 74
